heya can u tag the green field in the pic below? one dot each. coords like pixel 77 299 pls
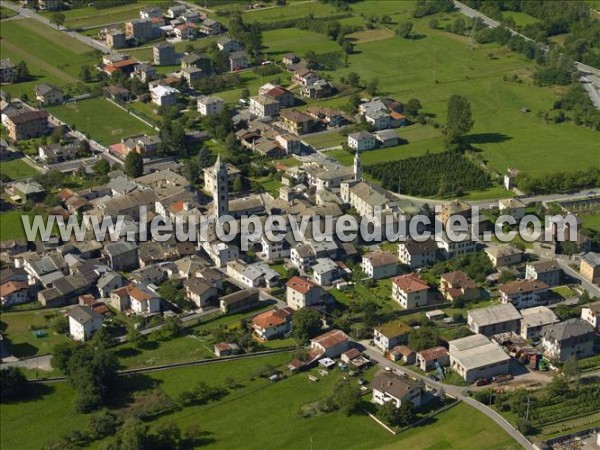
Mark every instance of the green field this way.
pixel 291 11
pixel 145 53
pixel 439 64
pixel 5 13
pixel 11 226
pixel 521 19
pixel 16 328
pixel 89 16
pixel 17 169
pixel 288 40
pixel 103 121
pixel 52 56
pixel 592 222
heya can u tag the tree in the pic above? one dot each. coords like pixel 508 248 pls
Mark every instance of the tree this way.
pixel 135 337
pixel 405 29
pixel 101 167
pixel 353 103
pixel 389 414
pixel 58 19
pixel 459 119
pixel 406 414
pixel 238 185
pixel 412 107
pixel 60 324
pixel 85 74
pixel 245 94
pixel 353 79
pixel 347 397
pixel 310 57
pixel 571 370
pixel 306 324
pixel 558 387
pixel 134 165
pixel 131 435
pixel 13 385
pixel 171 327
pixel 103 423
pixel 423 338
pixel 103 339
pixel 372 87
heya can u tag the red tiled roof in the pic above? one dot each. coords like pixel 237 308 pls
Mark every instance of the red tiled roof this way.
pixel 410 283
pixel 11 287
pixel 459 279
pixel 300 284
pixel 330 339
pixel 271 319
pixel 433 353
pixel 381 258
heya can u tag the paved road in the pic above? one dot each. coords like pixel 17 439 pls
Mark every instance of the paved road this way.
pixel 31 14
pixel 591 288
pixel 454 391
pixel 39 362
pixel 582 68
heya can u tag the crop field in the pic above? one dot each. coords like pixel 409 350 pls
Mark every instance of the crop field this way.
pixel 286 40
pixel 50 55
pixel 89 16
pixel 291 11
pixel 103 121
pixel 442 64
pixel 17 169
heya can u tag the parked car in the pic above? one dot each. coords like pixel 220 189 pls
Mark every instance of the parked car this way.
pixel 482 382
pixel 501 378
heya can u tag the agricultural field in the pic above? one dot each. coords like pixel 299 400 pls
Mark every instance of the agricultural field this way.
pixel 502 132
pixel 288 12
pixel 93 17
pixel 102 120
pixel 521 19
pixel 12 226
pixel 33 423
pixel 293 40
pixel 51 56
pixel 17 169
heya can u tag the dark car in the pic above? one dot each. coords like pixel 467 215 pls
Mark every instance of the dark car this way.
pixel 483 382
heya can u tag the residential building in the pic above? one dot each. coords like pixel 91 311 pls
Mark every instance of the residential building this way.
pixel 186 31
pixel 494 319
pixel 272 324
pixel 252 275
pixel 137 297
pixel 164 54
pixel 431 358
pixel 452 249
pixel 139 29
pixel 534 319
pixel 331 344
pixel 200 292
pixel 164 95
pixel 302 292
pixel 391 387
pixel 83 322
pixel 458 286
pixel 523 293
pixel 238 60
pixel 391 334
pixel 547 272
pixel 191 74
pixel 151 12
pixel 387 138
pixel 54 153
pixel 240 301
pixel 512 207
pixel 175 11
pixel 145 72
pixel 361 141
pixel 108 282
pixel 226 349
pixel 417 254
pixel 302 256
pixel 263 106
pixel 208 105
pixel 589 267
pixel 504 255
pixel 282 96
pixel 116 38
pixel 319 89
pixel 48 94
pixel 305 77
pixel 379 264
pixel 8 71
pixel 379 120
pixel 325 271
pixel 122 255
pixel 226 44
pixel 475 357
pixel 296 122
pixel 573 338
pixel 28 190
pixel 27 124
pixel 211 27
pixel 410 291
pixel 591 314
pixel 455 208
pixel 14 292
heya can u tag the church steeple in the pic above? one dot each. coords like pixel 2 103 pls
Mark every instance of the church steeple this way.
pixel 221 188
pixel 357 167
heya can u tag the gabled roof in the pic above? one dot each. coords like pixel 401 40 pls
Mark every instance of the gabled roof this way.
pixel 197 286
pixel 410 283
pixel 301 285
pixel 494 314
pixel 394 329
pixel 522 286
pixel 568 329
pixel 274 318
pixel 380 258
pixel 330 339
pixel 83 314
pixel 395 385
pixel 433 353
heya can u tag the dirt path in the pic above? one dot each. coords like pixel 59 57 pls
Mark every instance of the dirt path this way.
pixel 39 62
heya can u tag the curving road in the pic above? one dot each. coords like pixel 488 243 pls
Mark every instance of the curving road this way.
pixel 454 391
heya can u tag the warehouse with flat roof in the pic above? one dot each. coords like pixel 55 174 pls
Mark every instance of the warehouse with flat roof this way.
pixel 475 357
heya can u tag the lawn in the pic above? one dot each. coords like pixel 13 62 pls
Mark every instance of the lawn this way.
pixel 252 81
pixel 52 56
pixel 288 12
pixel 17 169
pixel 16 328
pixel 521 19
pixel 5 13
pixel 102 120
pixel 442 64
pixel 89 16
pixel 592 222
pixel 11 226
pixel 293 40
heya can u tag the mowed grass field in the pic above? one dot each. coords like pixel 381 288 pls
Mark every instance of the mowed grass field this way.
pixel 16 328
pixel 291 11
pixel 52 56
pixel 265 415
pixel 286 40
pixel 439 64
pixel 17 169
pixel 103 121
pixel 11 225
pixel 89 16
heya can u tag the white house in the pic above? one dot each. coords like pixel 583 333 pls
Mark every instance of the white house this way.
pixel 208 105
pixel 572 338
pixel 379 264
pixel 163 95
pixel 331 344
pixel 410 291
pixel 363 140
pixel 512 207
pixel 523 293
pixel 83 322
pixel 391 387
pixel 391 334
pixel 200 292
pixel 302 292
pixel 325 271
pixel 272 324
pixel 534 319
pixel 591 314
